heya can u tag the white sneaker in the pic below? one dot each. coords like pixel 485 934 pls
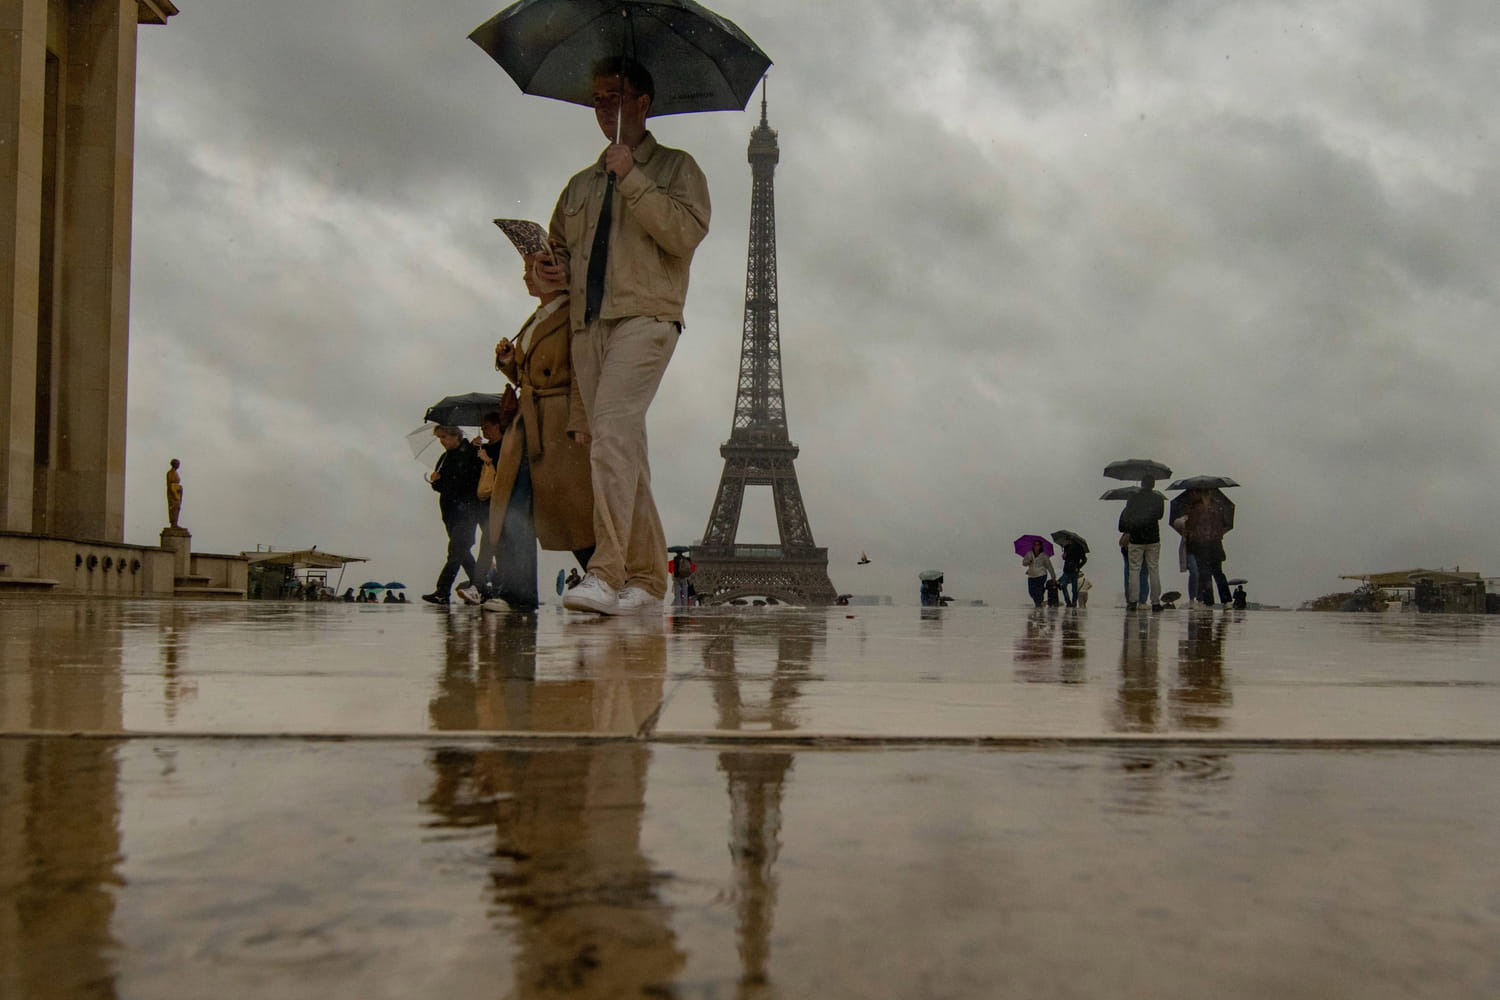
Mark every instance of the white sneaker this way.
pixel 468 593
pixel 592 594
pixel 635 599
pixel 495 604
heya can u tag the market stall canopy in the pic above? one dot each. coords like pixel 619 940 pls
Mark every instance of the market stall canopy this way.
pixel 302 559
pixel 1407 577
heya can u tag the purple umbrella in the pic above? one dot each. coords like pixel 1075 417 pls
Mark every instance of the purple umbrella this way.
pixel 1024 543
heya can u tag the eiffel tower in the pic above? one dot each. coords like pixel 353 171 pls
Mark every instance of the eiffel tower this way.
pixel 759 451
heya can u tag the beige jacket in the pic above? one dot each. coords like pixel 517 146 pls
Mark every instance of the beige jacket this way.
pixel 551 411
pixel 660 216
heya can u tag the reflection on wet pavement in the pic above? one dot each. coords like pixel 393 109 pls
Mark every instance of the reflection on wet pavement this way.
pixel 880 673
pixel 857 802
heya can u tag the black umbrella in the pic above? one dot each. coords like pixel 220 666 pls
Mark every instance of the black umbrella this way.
pixel 698 60
pixel 1203 483
pixel 1063 537
pixel 1221 506
pixel 678 549
pixel 1137 468
pixel 1120 493
pixel 465 410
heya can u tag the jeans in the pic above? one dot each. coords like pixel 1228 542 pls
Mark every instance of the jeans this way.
pixel 1192 587
pixel 460 524
pixel 1069 583
pixel 1209 557
pixel 1037 587
pixel 514 576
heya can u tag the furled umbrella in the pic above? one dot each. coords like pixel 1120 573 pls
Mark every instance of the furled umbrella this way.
pixel 1024 543
pixel 1137 468
pixel 1063 537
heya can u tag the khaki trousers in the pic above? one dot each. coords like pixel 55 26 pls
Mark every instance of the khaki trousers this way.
pixel 619 365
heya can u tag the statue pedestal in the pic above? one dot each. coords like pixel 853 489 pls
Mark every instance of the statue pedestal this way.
pixel 179 541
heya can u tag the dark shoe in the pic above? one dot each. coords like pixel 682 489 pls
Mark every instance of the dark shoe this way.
pixel 1130 606
pixel 435 598
pixel 1156 607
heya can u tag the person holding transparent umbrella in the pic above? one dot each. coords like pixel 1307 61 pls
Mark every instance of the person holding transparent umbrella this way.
pixel 624 232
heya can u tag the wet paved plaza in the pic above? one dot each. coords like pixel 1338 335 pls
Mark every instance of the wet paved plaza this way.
pixel 225 800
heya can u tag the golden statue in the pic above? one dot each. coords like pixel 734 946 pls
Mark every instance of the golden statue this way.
pixel 174 493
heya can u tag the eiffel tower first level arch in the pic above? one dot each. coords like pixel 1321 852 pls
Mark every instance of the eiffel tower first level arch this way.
pixel 759 451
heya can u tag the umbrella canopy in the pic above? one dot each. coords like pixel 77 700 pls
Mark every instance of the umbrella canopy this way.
pixel 1218 506
pixel 678 549
pixel 372 585
pixel 1120 493
pixel 464 410
pixel 928 575
pixel 698 60
pixel 1238 581
pixel 393 585
pixel 1024 543
pixel 1063 537
pixel 1203 483
pixel 1137 468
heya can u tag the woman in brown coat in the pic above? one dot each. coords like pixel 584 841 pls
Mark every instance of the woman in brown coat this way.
pixel 542 492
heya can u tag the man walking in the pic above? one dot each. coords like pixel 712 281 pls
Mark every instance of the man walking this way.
pixel 456 481
pixel 623 233
pixel 1141 521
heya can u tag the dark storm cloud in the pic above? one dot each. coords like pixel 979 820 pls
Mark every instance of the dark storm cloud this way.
pixel 1016 241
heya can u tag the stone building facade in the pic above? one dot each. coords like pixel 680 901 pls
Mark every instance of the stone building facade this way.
pixel 67 129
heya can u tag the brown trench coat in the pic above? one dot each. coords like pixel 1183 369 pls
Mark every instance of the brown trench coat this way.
pixel 551 407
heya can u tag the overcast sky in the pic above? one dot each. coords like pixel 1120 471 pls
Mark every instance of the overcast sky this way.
pixel 1016 242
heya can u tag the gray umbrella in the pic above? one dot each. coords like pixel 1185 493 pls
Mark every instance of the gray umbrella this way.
pixel 1137 468
pixel 698 60
pixel 1120 493
pixel 1062 536
pixel 465 410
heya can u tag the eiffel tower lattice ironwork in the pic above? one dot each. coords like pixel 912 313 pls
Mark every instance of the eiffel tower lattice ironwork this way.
pixel 759 451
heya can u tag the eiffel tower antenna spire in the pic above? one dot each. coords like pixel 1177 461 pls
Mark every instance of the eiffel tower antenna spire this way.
pixel 759 451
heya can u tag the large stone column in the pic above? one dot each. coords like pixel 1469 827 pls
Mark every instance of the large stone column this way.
pixel 23 83
pixel 93 329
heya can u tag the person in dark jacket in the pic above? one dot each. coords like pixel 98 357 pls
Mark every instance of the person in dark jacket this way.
pixel 1073 558
pixel 455 479
pixel 1141 520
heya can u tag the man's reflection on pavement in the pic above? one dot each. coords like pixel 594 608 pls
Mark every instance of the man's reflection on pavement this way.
pixel 608 677
pixel 566 871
